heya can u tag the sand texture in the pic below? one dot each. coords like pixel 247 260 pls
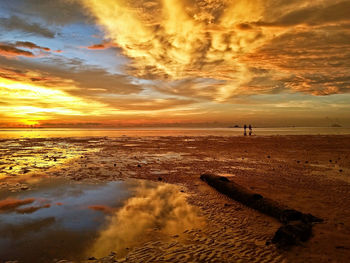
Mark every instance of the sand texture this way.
pixel 307 173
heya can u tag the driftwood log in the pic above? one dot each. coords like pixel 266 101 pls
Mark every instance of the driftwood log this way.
pixel 296 227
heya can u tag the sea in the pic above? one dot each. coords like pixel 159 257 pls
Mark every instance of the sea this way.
pixel 144 132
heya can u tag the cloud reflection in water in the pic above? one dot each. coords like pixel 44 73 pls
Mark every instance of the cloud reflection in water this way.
pixel 153 212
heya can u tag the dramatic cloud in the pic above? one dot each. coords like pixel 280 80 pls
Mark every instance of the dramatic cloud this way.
pixel 215 40
pixel 17 23
pixel 48 93
pixel 139 61
pixel 162 47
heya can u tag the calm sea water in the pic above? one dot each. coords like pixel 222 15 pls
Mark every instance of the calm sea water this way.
pixel 71 132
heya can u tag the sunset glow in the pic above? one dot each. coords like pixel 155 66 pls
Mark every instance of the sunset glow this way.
pixel 22 99
pixel 121 62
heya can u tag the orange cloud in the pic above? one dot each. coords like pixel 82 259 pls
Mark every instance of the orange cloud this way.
pixel 97 46
pixel 101 46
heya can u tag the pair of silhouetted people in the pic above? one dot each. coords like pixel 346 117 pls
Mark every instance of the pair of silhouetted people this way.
pixel 250 130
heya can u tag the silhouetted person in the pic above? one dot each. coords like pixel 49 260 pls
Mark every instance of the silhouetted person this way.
pixel 245 130
pixel 250 130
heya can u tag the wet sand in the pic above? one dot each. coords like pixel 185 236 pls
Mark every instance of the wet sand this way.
pixel 307 173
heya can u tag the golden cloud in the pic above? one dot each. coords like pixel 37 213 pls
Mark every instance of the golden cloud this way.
pixel 174 39
pixel 177 40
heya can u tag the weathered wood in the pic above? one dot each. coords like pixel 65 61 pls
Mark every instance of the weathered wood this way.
pixel 297 225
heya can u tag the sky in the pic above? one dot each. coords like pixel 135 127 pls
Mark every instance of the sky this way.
pixel 116 63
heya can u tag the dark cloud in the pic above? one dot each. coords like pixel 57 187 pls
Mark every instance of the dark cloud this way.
pixel 17 23
pixel 30 45
pixel 11 51
pixel 57 12
pixel 244 26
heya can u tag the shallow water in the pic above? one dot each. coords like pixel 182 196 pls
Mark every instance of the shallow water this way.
pixel 56 218
pixel 22 156
pixel 61 219
pixel 71 132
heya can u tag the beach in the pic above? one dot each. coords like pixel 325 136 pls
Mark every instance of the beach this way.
pixel 174 131
pixel 310 173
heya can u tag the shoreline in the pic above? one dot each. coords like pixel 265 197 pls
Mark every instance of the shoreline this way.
pixel 172 132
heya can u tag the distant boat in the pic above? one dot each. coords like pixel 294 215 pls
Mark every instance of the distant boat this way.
pixel 234 126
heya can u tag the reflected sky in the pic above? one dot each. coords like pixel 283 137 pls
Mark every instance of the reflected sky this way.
pixel 24 156
pixel 62 219
pixel 56 206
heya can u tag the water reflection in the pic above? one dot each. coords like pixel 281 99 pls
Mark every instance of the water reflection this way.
pixel 54 219
pixel 23 156
pixel 155 211
pixel 59 219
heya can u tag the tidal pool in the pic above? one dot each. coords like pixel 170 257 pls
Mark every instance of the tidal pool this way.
pixel 61 219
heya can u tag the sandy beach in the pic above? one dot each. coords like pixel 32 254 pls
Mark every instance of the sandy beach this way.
pixel 307 173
